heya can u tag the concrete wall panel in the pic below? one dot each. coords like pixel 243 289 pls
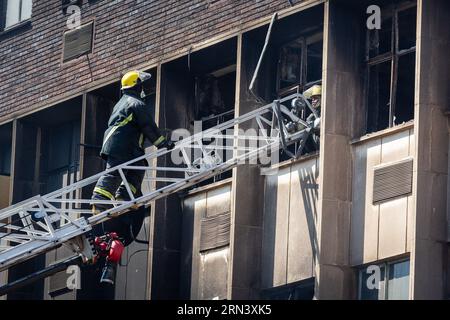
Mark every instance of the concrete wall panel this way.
pixel 364 229
pixel 395 147
pixel 204 275
pixel 302 240
pixel 281 227
pixel 392 234
pixel 219 201
pixel 290 210
pixel 379 231
pixel 214 274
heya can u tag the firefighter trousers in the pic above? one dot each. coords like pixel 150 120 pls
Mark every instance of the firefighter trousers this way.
pixel 110 185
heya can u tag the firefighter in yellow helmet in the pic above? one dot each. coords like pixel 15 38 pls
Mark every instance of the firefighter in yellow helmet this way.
pixel 315 95
pixel 130 123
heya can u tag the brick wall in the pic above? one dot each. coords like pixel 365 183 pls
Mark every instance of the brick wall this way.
pixel 127 33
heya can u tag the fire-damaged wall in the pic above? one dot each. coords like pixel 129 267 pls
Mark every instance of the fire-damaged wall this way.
pixel 193 88
pixel 205 243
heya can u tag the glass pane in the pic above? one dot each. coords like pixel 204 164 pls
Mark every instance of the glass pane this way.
pixel 398 283
pixel 314 63
pixel 26 9
pixel 12 13
pixel 404 106
pixel 379 97
pixel 380 41
pixel 290 63
pixel 407 28
pixel 370 287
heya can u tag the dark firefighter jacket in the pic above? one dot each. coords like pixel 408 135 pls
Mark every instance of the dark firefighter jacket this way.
pixel 130 122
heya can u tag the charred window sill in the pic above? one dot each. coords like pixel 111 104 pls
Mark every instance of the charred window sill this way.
pixel 382 133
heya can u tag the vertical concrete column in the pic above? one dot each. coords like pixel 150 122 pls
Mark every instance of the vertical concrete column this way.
pixel 172 103
pixel 429 250
pixel 247 202
pixel 341 119
pixel 151 219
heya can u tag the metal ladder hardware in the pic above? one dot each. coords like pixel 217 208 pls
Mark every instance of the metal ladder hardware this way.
pixel 43 223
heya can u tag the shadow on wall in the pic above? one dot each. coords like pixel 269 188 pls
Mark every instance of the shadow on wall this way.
pixel 310 193
pixel 290 245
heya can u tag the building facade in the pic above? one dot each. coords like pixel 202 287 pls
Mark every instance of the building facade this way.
pixel 364 217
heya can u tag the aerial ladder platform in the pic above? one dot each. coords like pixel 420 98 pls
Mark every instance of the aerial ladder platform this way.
pixel 64 217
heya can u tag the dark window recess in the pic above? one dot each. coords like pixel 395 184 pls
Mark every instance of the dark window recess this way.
pixel 393 282
pixel 215 231
pixel 5 160
pixel 78 42
pixel 407 28
pixel 66 3
pixel 379 96
pixel 299 63
pixel 214 104
pixel 392 181
pixel 404 110
pixel 373 293
pixel 58 284
pixel 390 59
pixel 380 41
pixel 314 61
pixel 290 64
pixel 300 290
pixel 214 96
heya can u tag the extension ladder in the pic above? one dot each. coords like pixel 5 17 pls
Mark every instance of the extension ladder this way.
pixel 43 223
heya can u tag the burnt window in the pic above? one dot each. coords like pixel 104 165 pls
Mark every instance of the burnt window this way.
pixel 314 61
pixel 14 13
pixel 390 58
pixel 299 64
pixel 290 64
pixel 299 68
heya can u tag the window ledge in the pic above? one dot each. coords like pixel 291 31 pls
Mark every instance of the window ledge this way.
pixel 209 187
pixel 382 133
pixel 289 162
pixel 16 27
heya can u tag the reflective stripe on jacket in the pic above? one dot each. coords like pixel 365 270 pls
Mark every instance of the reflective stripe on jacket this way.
pixel 130 122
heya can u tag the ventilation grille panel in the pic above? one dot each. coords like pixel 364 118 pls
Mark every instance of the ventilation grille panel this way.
pixel 215 231
pixel 392 181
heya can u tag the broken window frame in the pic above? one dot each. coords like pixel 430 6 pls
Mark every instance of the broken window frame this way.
pixel 390 11
pixel 303 82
